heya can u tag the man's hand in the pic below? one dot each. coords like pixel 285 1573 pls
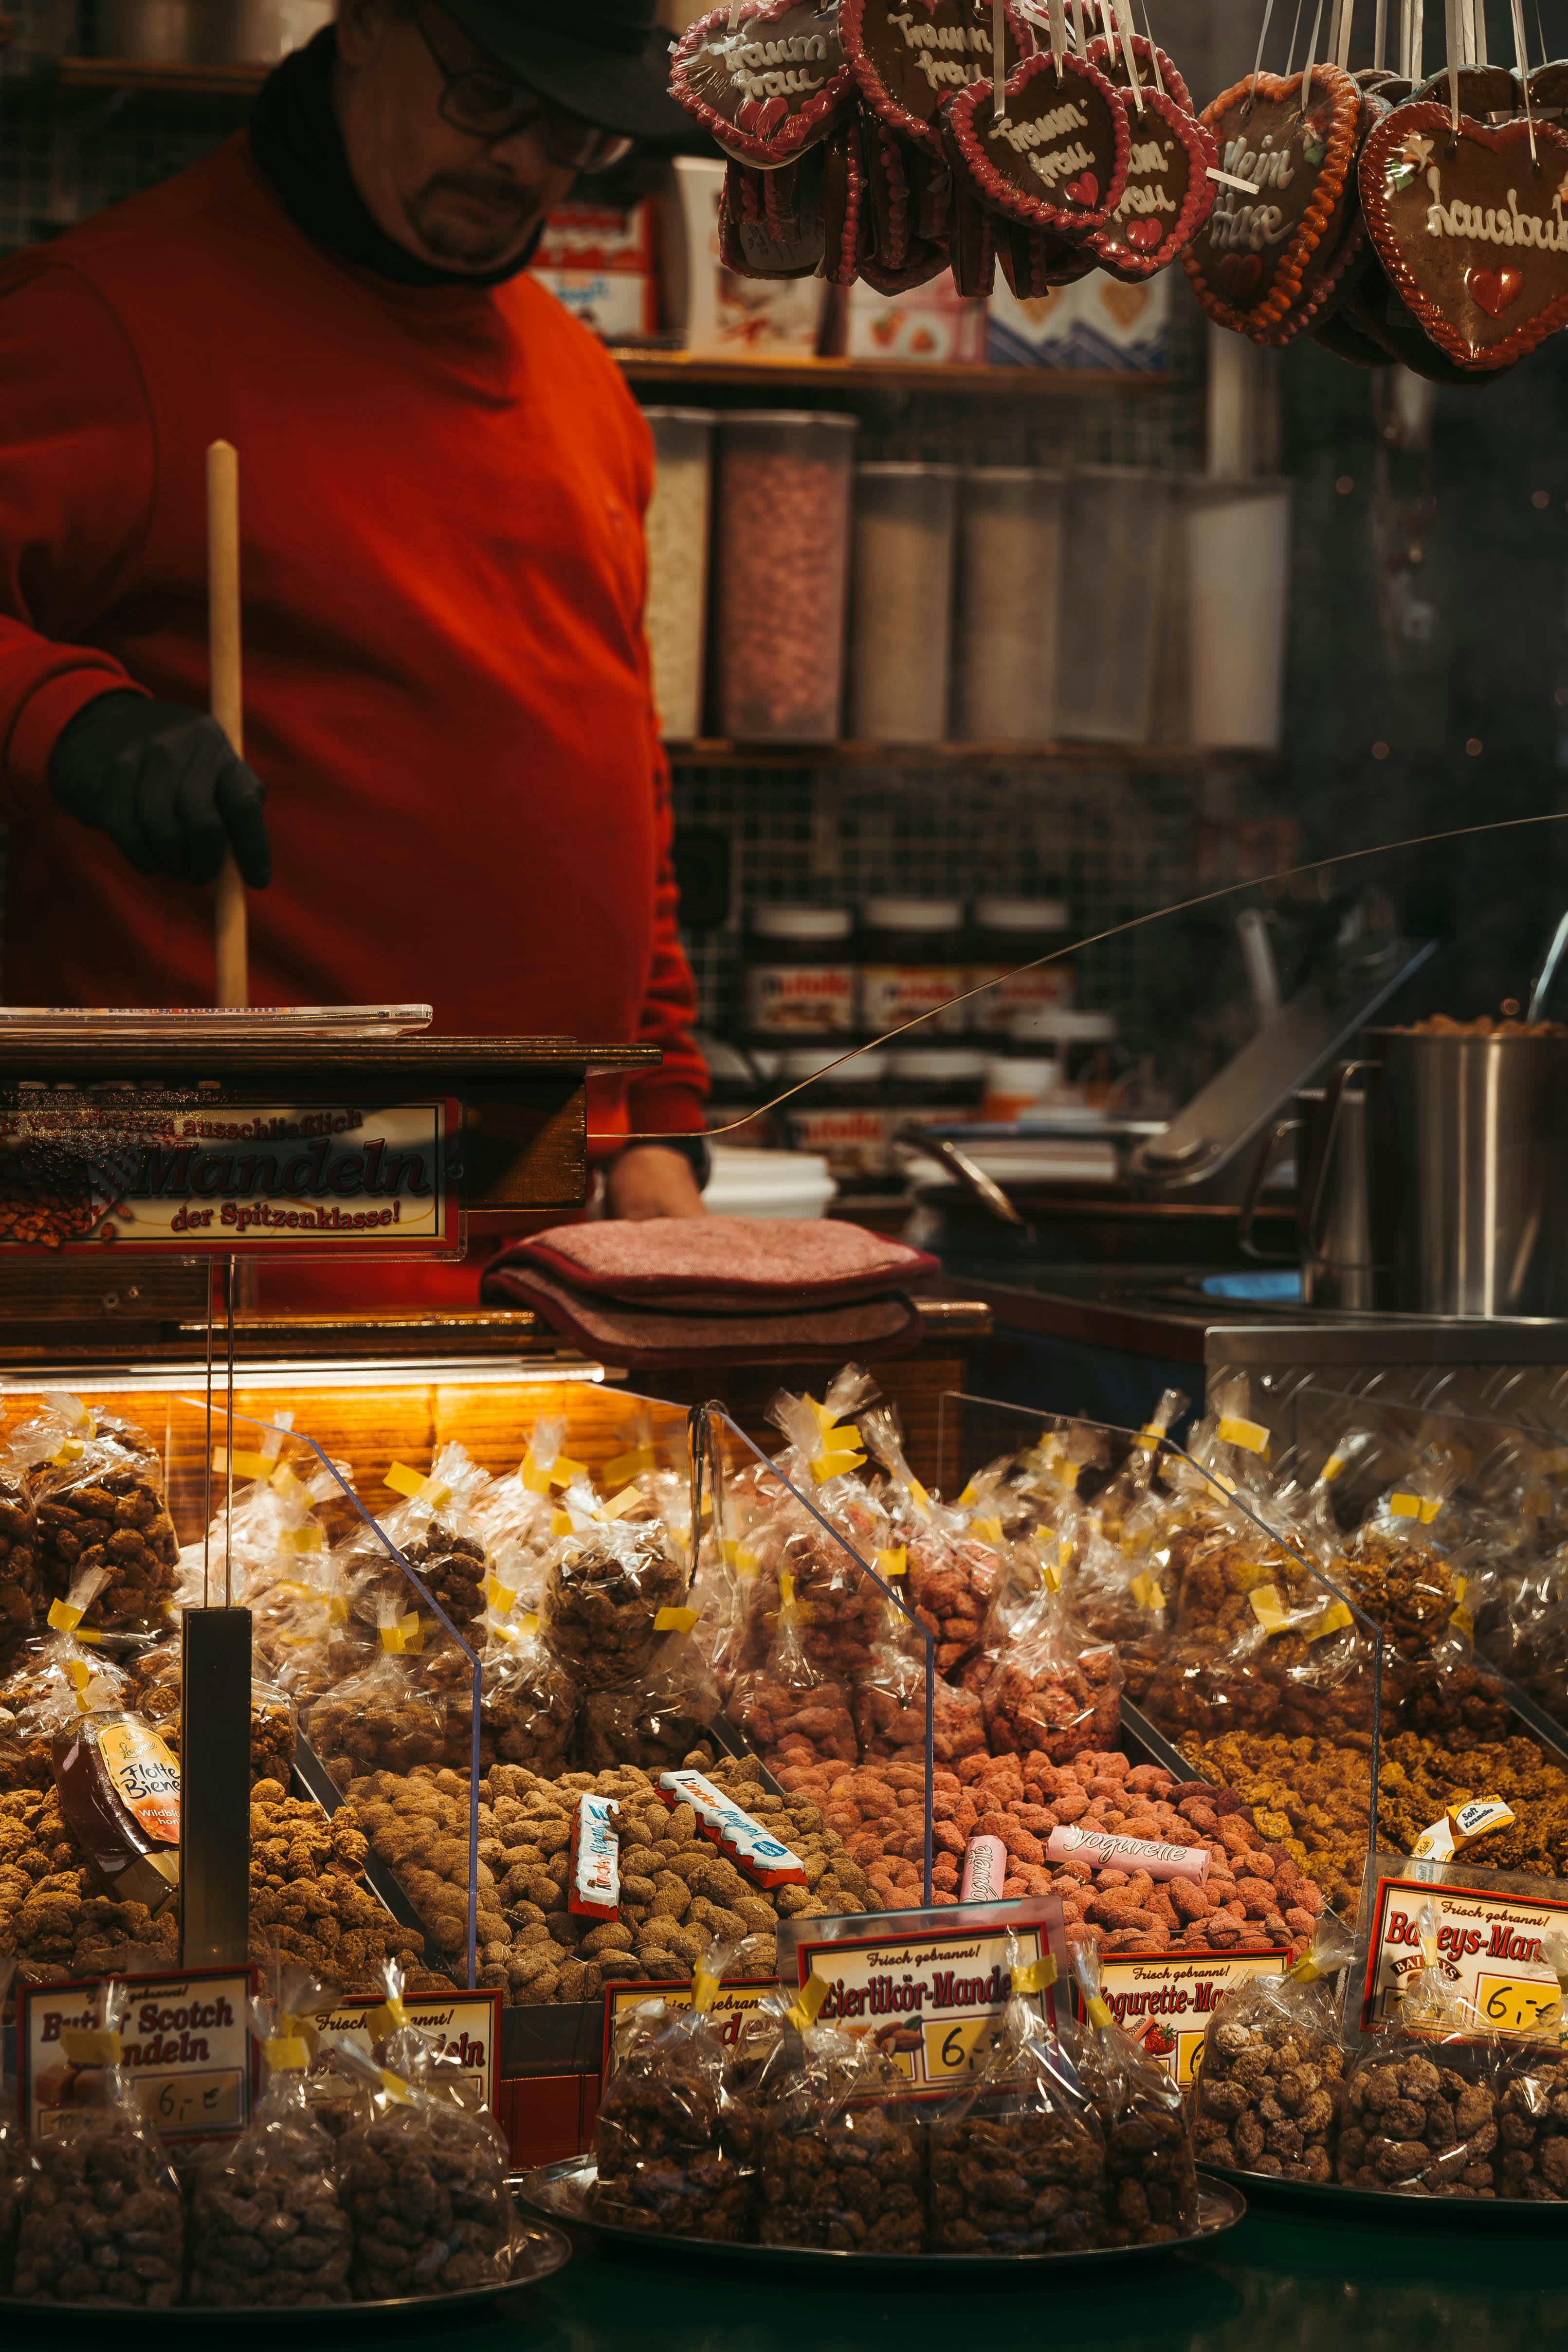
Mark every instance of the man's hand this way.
pixel 165 784
pixel 649 1181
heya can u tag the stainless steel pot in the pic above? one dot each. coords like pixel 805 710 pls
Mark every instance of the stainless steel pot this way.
pixel 1333 1208
pixel 1468 1139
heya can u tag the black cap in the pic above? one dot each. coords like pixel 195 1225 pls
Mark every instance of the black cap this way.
pixel 604 59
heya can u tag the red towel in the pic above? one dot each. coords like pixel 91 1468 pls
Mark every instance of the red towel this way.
pixel 647 1337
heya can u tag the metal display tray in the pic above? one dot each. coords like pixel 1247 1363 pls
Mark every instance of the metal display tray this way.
pixel 545 2250
pixel 558 2192
pixel 1327 2200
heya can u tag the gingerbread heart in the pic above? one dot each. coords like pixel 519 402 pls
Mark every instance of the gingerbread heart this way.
pixel 1299 165
pixel 890 192
pixel 845 226
pixel 1472 236
pixel 753 246
pixel 1168 196
pixel 909 55
pixel 1147 55
pixel 767 79
pixel 1342 254
pixel 1058 158
pixel 1036 263
pixel 1375 311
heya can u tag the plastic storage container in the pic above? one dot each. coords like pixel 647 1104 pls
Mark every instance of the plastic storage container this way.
pixel 800 972
pixel 1077 1042
pixel 900 627
pixel 1238 575
pixel 746 1184
pixel 845 1119
pixel 1120 520
pixel 1006 932
pixel 781 575
pixel 1004 652
pixel 912 962
pixel 678 523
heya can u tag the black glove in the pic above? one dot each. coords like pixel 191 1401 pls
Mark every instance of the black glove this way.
pixel 165 784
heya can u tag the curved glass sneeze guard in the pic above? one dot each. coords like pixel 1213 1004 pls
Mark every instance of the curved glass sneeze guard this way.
pixel 1244 1657
pixel 819 1655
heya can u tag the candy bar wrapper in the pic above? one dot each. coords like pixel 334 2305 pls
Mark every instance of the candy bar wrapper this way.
pixel 595 1860
pixel 985 1870
pixel 1106 1850
pixel 744 1841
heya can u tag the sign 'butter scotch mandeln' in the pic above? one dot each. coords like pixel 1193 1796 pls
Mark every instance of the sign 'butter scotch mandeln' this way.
pixel 185 2046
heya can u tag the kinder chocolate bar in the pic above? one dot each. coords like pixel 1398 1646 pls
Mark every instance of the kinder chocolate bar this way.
pixel 595 1860
pixel 985 1870
pixel 748 1845
pixel 1106 1850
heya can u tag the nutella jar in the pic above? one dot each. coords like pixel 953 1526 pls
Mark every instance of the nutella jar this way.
pixel 936 1086
pixel 800 972
pixel 1008 933
pixel 911 961
pixel 845 1118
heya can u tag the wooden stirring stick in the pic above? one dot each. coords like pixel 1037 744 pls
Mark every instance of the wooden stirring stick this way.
pixel 228 701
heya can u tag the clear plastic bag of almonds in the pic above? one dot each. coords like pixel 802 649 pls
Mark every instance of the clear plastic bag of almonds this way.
pixel 379 1720
pixel 269 2224
pixel 950 1563
pixel 431 1530
pixel 97 1488
pixel 1532 2104
pixel 102 2221
pixel 1017 2154
pixel 1052 1687
pixel 606 1586
pixel 1398 1566
pixel 1127 1491
pixel 1420 2116
pixel 790 1711
pixel 154 1682
pixel 423 2183
pixel 1151 2179
pixel 666 2153
pixel 23 1598
pixel 47 1687
pixel 843 2149
pixel 528 1705
pixel 511 1516
pixel 1266 2094
pixel 657 1719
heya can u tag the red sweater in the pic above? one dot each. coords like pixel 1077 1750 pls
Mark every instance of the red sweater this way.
pixel 446 681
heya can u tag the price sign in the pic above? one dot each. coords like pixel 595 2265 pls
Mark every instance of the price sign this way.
pixel 928 1987
pixel 737 1998
pixel 465 2027
pixel 185 2047
pixel 1163 2001
pixel 1491 1948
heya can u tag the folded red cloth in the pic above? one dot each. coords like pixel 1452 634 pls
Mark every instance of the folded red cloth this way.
pixel 649 1336
pixel 719 1263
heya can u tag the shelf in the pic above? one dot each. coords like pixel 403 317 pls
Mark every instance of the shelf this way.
pixel 1146 756
pixel 137 74
pixel 669 369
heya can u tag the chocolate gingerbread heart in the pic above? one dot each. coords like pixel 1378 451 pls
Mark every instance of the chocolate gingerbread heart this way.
pixel 767 79
pixel 1168 196
pixel 1147 55
pixel 1375 311
pixel 1342 254
pixel 890 192
pixel 1473 238
pixel 1035 262
pixel 1485 92
pixel 752 246
pixel 1058 158
pixel 909 55
pixel 845 223
pixel 1549 89
pixel 1248 261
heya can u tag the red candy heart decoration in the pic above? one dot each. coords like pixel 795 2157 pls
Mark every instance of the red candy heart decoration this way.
pixel 1168 196
pixel 1495 289
pixel 768 79
pixel 1056 159
pixel 1472 235
pixel 909 57
pixel 1300 166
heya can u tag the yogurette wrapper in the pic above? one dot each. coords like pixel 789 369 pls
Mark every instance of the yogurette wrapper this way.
pixel 595 1860
pixel 985 1870
pixel 1108 1851
pixel 748 1845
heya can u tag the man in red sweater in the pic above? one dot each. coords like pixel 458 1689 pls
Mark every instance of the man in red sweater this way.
pixel 443 480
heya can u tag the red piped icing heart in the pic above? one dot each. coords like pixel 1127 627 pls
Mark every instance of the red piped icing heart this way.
pixel 769 86
pixel 1300 166
pixel 1168 196
pixel 1343 254
pixel 1113 66
pixel 845 224
pixel 754 245
pixel 1058 158
pixel 911 56
pixel 1473 238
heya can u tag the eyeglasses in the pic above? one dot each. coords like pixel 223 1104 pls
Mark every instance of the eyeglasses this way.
pixel 491 104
